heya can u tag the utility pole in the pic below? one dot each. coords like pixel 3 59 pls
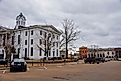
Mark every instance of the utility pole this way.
pixel 94 50
pixel 66 33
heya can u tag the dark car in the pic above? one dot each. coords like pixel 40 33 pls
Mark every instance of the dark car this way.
pixel 97 60
pixel 102 60
pixel 3 61
pixel 89 60
pixel 18 65
pixel 92 60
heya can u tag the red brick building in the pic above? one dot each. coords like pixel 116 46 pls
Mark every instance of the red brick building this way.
pixel 83 52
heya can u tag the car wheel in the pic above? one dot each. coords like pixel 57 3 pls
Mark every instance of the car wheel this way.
pixel 97 62
pixel 90 62
pixel 93 62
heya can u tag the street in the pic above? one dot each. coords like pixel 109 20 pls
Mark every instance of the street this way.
pixel 108 71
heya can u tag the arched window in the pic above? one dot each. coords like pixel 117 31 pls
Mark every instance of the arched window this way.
pixel 103 55
pixel 112 53
pixel 98 55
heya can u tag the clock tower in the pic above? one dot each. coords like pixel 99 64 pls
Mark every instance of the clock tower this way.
pixel 20 21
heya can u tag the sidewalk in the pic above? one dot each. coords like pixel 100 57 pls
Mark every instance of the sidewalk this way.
pixel 53 64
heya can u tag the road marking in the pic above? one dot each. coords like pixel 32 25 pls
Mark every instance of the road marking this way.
pixel 45 67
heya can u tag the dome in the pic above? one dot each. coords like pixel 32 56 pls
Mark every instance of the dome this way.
pixel 20 16
pixel 20 21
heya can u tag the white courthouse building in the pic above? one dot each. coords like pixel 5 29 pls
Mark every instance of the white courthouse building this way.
pixel 35 42
pixel 5 40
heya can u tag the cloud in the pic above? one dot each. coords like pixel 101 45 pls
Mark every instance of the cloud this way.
pixel 99 20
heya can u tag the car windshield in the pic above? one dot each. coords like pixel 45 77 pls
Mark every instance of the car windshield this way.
pixel 19 60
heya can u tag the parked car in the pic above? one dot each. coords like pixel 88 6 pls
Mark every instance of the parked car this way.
pixel 107 59
pixel 3 61
pixel 102 60
pixel 119 59
pixel 89 60
pixel 18 65
pixel 92 60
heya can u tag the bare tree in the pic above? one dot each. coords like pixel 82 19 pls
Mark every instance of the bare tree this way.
pixel 9 49
pixel 69 34
pixel 46 43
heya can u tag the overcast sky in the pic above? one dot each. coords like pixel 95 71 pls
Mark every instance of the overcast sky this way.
pixel 98 20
